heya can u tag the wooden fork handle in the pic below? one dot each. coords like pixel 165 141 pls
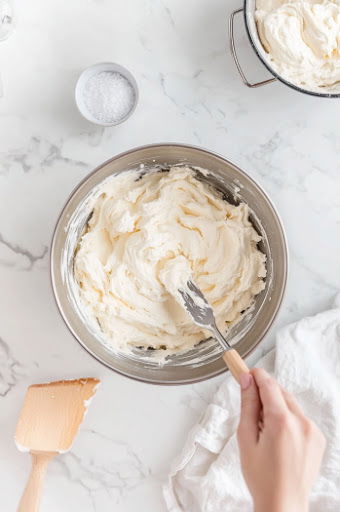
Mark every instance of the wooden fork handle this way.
pixel 235 363
pixel 30 500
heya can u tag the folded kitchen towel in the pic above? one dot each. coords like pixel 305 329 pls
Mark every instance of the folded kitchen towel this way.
pixel 206 477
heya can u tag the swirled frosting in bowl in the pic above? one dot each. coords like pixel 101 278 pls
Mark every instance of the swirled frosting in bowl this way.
pixel 145 237
pixel 302 41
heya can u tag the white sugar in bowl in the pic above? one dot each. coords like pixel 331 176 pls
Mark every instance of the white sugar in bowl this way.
pixel 106 94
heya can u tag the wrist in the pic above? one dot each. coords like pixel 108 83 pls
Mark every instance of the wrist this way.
pixel 280 507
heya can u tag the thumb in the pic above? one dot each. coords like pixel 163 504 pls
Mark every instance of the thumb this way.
pixel 248 429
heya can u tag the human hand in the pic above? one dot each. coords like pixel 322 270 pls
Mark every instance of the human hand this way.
pixel 280 448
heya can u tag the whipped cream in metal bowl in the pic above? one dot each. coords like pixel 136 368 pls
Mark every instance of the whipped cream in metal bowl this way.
pixel 144 238
pixel 135 230
pixel 302 41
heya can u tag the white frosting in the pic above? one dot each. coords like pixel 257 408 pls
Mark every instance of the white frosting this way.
pixel 145 238
pixel 302 41
pixel 21 447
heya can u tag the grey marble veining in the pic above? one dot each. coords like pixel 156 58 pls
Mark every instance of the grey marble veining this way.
pixel 17 250
pixel 190 92
pixel 11 370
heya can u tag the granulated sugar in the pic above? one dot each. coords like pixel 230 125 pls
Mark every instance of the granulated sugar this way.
pixel 109 96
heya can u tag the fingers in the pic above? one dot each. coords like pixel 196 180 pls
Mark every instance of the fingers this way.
pixel 292 404
pixel 248 430
pixel 273 401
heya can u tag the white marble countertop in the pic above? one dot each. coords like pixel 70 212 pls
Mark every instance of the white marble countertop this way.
pixel 190 92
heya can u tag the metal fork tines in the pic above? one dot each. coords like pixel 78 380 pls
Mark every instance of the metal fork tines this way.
pixel 201 312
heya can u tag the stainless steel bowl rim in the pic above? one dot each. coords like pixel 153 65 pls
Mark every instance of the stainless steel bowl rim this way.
pixel 246 14
pixel 155 147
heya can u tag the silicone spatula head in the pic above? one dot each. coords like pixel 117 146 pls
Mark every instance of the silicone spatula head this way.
pixel 52 413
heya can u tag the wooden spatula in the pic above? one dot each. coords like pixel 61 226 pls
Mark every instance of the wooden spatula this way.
pixel 48 423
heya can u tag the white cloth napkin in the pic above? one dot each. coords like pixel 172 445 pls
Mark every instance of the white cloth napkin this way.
pixel 206 477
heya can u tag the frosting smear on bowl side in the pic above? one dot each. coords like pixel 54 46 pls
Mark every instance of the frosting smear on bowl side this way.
pixel 302 41
pixel 147 236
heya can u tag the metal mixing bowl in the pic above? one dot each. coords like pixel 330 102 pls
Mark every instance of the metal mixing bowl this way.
pixel 204 360
pixel 248 10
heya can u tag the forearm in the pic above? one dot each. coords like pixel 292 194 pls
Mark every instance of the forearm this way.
pixel 276 506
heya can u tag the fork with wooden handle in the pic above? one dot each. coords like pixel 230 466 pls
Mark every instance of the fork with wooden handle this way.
pixel 202 314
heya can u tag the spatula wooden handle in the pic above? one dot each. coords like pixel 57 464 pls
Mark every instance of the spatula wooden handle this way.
pixel 30 500
pixel 235 363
